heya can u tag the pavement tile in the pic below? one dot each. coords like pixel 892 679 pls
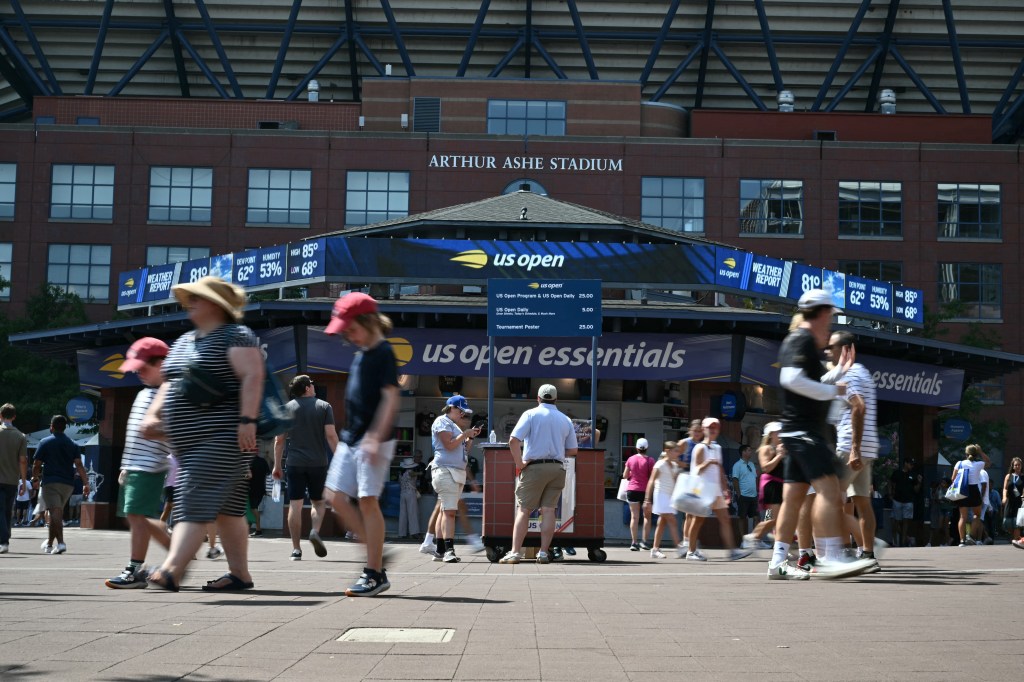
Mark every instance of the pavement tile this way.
pixel 132 670
pixel 395 667
pixel 499 665
pixel 341 667
pixel 66 671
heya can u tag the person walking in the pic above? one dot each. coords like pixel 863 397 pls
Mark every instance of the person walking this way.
pixel 707 463
pixel 309 444
pixel 974 461
pixel 1013 489
pixel 857 441
pixel 809 460
pixel 448 469
pixel 212 431
pixel 658 498
pixel 144 465
pixel 769 456
pixel 360 467
pixel 695 437
pixel 638 472
pixel 541 440
pixel 903 487
pixel 13 472
pixel 57 458
pixel 257 480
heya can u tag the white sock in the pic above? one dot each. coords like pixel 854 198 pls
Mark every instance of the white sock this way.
pixel 833 548
pixel 779 553
pixel 428 539
pixel 806 552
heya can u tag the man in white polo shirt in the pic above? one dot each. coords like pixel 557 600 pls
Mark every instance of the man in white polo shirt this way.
pixel 540 442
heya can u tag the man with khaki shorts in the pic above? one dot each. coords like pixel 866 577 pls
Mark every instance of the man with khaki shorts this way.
pixel 857 441
pixel 56 459
pixel 540 442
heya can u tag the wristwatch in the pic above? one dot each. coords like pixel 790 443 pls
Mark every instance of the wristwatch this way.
pixel 248 420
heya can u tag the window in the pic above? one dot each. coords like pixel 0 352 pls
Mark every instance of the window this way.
pixel 525 117
pixel 180 194
pixel 373 196
pixel 884 270
pixel 8 175
pixel 83 192
pixel 6 258
pixel 158 255
pixel 82 269
pixel 525 184
pixel 279 196
pixel 871 209
pixel 977 286
pixel 990 391
pixel 970 211
pixel 771 207
pixel 673 203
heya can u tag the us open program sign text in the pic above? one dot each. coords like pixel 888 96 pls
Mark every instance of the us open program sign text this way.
pixel 522 307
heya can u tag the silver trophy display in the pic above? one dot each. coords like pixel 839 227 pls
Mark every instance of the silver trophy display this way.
pixel 95 481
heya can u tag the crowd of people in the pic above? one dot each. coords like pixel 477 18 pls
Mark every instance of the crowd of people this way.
pixel 191 460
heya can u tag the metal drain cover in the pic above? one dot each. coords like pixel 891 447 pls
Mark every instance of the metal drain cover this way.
pixel 392 635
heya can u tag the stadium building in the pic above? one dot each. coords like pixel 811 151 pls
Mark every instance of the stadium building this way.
pixel 847 141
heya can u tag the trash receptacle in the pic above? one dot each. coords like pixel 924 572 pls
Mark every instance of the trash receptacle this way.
pixel 580 513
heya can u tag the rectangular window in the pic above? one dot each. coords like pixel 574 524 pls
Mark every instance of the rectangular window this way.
pixel 991 391
pixel 279 196
pixel 673 203
pixel 525 117
pixel 82 191
pixel 159 255
pixel 970 211
pixel 6 258
pixel 771 207
pixel 871 209
pixel 182 195
pixel 82 269
pixel 884 270
pixel 978 286
pixel 8 178
pixel 374 196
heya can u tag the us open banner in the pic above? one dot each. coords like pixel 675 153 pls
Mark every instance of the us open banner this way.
pixel 464 353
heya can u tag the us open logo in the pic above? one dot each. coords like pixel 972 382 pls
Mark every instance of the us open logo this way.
pixel 476 259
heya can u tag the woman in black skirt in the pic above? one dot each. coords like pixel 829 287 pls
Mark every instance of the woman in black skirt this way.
pixel 213 437
pixel 974 461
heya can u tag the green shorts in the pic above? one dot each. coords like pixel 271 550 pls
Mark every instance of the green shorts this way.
pixel 142 493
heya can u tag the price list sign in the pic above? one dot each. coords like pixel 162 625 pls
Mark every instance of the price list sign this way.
pixel 517 307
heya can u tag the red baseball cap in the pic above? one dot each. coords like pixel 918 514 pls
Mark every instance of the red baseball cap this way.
pixel 141 352
pixel 349 307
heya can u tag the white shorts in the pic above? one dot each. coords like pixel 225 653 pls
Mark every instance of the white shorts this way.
pixel 449 491
pixel 663 504
pixel 351 474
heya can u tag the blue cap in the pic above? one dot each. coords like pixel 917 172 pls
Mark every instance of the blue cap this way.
pixel 459 402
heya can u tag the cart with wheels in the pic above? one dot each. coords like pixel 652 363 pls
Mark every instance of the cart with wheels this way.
pixel 581 526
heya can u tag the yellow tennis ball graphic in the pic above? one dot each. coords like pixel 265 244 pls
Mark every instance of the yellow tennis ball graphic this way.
pixel 402 349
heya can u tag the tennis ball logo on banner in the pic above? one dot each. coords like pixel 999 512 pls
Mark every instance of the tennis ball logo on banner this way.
pixel 402 349
pixel 112 366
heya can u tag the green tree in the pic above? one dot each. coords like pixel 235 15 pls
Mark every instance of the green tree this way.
pixel 38 386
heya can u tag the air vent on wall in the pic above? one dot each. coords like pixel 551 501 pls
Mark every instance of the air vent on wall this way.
pixel 426 114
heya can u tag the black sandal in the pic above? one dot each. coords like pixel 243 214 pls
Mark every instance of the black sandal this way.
pixel 167 582
pixel 234 584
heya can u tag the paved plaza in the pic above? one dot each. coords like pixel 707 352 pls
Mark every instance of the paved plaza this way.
pixel 933 614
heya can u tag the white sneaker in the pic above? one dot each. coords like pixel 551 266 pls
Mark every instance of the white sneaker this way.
pixel 657 554
pixel 784 571
pixel 543 558
pixel 750 541
pixel 450 558
pixel 695 556
pixel 511 558
pixel 475 544
pixel 681 552
pixel 60 548
pixel 427 548
pixel 842 568
pixel 46 547
pixel 4 549
pixel 737 554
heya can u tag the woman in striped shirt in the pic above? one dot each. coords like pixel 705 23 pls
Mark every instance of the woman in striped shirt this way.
pixel 213 436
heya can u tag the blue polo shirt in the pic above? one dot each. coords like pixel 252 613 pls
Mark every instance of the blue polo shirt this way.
pixel 58 454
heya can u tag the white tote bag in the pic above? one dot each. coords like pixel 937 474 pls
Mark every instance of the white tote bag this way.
pixel 623 484
pixel 690 495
